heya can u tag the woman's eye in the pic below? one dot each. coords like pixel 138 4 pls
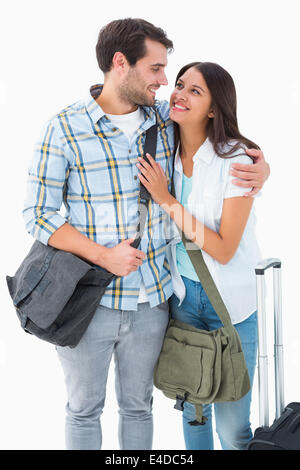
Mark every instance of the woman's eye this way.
pixel 178 85
pixel 196 92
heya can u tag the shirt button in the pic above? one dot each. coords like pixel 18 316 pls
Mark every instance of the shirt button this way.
pixel 114 129
pixel 129 151
pixel 135 177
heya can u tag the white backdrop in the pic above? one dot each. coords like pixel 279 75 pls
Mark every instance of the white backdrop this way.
pixel 48 62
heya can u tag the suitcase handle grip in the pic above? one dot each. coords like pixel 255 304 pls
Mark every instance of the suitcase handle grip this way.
pixel 260 269
pixel 266 264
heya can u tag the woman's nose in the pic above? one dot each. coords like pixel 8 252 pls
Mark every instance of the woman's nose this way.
pixel 181 95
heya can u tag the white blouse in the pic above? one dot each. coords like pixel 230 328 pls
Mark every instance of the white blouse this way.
pixel 211 184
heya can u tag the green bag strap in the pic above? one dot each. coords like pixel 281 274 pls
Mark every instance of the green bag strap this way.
pixel 207 281
pixel 203 273
pixel 200 419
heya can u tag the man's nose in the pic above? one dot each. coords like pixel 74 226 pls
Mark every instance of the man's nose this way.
pixel 163 79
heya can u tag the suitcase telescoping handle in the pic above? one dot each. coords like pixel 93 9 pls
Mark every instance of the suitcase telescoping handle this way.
pixel 262 340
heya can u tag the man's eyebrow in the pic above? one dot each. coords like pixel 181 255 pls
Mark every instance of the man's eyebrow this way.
pixel 195 86
pixel 158 65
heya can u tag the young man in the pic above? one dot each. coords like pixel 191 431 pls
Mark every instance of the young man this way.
pixel 87 158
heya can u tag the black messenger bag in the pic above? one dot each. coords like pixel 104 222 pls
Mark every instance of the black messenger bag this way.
pixel 56 293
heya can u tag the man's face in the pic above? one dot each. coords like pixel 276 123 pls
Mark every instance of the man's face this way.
pixel 144 78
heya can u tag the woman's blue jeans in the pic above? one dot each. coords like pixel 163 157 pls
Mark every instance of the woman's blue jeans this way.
pixel 232 418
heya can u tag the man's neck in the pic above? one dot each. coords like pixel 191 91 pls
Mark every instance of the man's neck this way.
pixel 111 103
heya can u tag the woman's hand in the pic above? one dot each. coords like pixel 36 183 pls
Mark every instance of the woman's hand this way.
pixel 154 179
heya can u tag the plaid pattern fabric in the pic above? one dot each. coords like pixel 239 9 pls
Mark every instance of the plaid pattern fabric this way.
pixel 84 163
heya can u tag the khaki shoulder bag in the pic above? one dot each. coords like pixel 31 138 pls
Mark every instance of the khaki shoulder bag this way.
pixel 200 366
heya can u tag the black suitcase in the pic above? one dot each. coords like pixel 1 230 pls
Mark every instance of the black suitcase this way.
pixel 284 433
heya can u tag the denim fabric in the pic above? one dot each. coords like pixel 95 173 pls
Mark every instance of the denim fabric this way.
pixel 135 339
pixel 232 418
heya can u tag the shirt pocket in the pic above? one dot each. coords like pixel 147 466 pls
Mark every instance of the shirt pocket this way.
pixel 211 208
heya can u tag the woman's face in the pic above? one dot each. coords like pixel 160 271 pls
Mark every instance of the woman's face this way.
pixel 190 102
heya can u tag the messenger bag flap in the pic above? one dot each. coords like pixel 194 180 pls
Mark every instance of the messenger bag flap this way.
pixel 30 272
pixel 48 297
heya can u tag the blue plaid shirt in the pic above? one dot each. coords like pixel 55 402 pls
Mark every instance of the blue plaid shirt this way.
pixel 86 164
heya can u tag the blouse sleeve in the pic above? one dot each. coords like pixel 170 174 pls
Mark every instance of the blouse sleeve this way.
pixel 232 190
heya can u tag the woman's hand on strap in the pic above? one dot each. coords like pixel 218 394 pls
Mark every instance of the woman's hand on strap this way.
pixel 154 179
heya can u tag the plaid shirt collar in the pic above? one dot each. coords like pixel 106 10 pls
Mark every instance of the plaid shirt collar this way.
pixel 96 112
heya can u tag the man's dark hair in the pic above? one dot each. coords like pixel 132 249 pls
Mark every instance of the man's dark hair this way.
pixel 127 36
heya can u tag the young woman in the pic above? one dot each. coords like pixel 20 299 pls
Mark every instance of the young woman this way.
pixel 216 216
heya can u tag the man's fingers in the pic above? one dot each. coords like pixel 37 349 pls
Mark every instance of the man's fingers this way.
pixel 139 254
pixel 244 167
pixel 242 174
pixel 252 193
pixel 129 240
pixel 255 153
pixel 245 184
pixel 138 262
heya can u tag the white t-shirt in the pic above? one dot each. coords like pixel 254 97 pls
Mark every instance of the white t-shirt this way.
pixel 211 184
pixel 129 124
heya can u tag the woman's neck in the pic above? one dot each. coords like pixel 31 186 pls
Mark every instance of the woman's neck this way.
pixel 190 141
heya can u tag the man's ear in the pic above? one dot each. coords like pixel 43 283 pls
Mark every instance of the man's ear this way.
pixel 119 61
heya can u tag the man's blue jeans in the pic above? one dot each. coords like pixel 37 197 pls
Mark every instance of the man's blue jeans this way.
pixel 232 418
pixel 135 338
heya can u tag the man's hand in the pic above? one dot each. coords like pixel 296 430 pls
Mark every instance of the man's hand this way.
pixel 254 176
pixel 122 259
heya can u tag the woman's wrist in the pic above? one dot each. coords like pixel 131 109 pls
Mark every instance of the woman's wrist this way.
pixel 168 203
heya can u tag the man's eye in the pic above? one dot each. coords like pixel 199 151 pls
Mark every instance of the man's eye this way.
pixel 156 69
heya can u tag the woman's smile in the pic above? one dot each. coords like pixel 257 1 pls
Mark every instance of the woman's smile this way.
pixel 179 107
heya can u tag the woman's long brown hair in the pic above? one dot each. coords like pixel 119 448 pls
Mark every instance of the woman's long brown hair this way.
pixel 223 128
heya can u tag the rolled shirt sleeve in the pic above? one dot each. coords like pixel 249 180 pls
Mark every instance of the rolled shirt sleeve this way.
pixel 47 177
pixel 231 189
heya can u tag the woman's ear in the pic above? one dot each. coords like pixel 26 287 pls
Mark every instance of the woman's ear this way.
pixel 211 114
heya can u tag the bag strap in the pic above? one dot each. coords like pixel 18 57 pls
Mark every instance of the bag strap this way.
pixel 144 196
pixel 208 284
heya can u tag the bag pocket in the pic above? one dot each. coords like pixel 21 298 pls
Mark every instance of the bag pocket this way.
pixel 207 379
pixel 183 367
pixel 241 376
